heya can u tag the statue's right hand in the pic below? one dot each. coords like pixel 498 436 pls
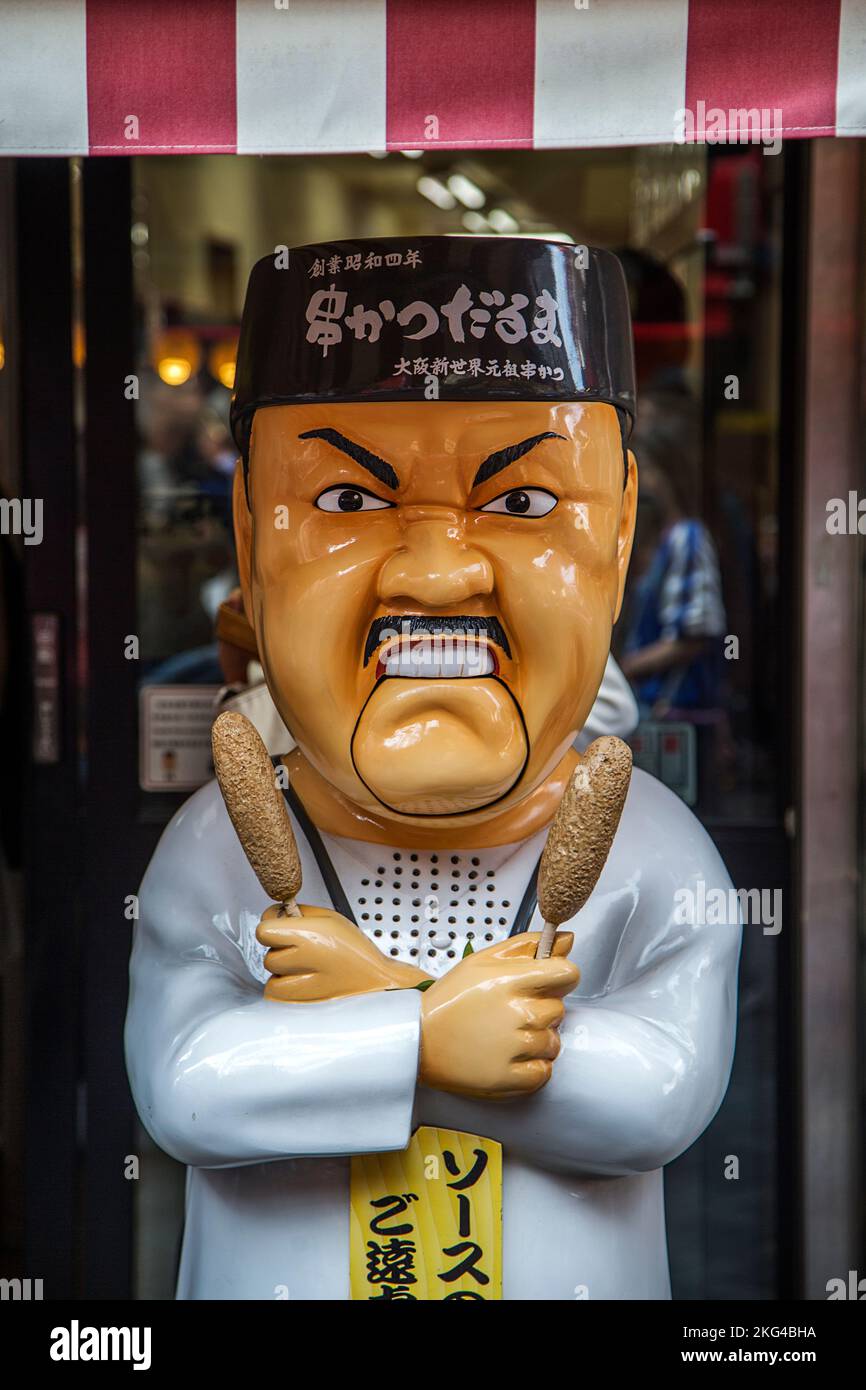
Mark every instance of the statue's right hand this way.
pixel 490 1025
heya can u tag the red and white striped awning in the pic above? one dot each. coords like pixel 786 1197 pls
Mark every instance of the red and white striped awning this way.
pixel 328 76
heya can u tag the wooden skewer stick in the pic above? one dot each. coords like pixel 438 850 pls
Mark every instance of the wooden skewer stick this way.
pixel 581 834
pixel 257 808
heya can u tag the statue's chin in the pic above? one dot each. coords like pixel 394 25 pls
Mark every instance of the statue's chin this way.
pixel 439 747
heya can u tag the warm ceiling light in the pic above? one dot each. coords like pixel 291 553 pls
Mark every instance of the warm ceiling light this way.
pixel 474 222
pixel 436 192
pixel 221 362
pixel 174 371
pixel 79 344
pixel 502 221
pixel 466 192
pixel 176 356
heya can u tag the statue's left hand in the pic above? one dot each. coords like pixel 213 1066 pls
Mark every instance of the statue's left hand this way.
pixel 322 955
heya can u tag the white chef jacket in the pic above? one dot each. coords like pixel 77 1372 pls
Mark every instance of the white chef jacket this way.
pixel 265 1101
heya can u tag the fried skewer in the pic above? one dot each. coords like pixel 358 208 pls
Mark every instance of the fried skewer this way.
pixel 581 834
pixel 257 808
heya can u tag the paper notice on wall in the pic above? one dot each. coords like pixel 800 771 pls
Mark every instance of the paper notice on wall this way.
pixel 174 736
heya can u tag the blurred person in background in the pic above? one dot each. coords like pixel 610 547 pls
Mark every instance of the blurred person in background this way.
pixel 672 650
pixel 674 619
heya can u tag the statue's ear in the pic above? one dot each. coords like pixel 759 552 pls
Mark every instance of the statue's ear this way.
pixel 625 538
pixel 243 521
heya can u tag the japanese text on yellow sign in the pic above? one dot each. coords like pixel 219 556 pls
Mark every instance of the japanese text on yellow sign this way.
pixel 426 1223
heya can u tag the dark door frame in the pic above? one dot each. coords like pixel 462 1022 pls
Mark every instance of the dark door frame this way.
pixel 82 853
pixel 53 1141
pixel 828 756
pixel 112 870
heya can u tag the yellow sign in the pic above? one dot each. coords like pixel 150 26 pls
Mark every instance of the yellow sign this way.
pixel 426 1223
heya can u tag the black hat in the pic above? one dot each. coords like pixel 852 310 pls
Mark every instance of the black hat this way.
pixel 434 318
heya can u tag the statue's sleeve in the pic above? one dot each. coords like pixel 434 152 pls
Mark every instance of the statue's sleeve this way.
pixel 645 1061
pixel 223 1077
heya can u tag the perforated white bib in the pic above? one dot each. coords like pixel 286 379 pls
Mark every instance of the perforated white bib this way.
pixel 423 907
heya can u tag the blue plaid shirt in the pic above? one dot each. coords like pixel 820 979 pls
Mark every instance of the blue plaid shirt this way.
pixel 680 596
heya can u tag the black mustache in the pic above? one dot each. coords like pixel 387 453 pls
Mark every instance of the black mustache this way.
pixel 470 625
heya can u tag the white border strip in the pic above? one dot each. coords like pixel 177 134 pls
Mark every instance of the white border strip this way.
pixel 851 78
pixel 43 77
pixel 310 77
pixel 610 74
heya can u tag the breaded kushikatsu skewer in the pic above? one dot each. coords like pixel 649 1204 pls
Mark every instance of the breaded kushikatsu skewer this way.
pixel 257 808
pixel 581 834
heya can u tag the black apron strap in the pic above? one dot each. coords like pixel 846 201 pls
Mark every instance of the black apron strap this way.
pixel 341 904
pixel 528 904
pixel 333 885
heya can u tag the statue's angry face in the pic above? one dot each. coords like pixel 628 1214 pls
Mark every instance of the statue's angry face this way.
pixel 433 587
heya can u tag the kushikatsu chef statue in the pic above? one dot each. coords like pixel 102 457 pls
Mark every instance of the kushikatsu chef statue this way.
pixel 400 1059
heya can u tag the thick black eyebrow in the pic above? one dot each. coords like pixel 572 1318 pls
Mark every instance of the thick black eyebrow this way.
pixel 494 463
pixel 373 464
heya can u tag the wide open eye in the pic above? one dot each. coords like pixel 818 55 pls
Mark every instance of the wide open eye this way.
pixel 523 501
pixel 350 499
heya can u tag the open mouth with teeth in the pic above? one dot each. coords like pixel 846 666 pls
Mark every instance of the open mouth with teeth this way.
pixel 436 647
pixel 443 749
pixel 437 656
